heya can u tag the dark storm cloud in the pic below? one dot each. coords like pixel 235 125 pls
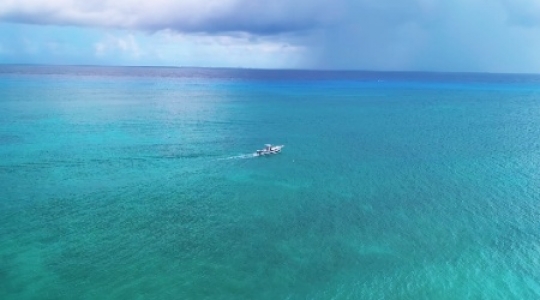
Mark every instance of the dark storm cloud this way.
pixel 461 35
pixel 255 17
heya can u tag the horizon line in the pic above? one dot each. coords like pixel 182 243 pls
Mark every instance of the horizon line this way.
pixel 262 69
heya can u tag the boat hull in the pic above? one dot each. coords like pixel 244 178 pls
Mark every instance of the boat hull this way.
pixel 269 151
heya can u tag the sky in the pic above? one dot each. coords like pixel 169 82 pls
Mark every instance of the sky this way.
pixel 384 35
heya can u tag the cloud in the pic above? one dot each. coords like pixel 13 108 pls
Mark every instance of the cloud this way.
pixel 126 45
pixel 240 50
pixel 436 35
pixel 260 17
pixel 462 35
pixel 167 47
pixel 213 16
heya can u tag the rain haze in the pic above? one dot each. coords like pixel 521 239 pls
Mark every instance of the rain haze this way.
pixel 408 35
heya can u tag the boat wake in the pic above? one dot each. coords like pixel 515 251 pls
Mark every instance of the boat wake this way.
pixel 268 150
pixel 243 156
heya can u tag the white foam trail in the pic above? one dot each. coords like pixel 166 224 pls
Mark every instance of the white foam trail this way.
pixel 243 156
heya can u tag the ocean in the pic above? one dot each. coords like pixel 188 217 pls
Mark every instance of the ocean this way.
pixel 140 183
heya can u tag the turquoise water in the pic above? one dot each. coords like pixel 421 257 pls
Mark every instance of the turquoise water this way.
pixel 139 183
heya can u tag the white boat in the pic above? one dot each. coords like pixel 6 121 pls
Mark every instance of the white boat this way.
pixel 269 149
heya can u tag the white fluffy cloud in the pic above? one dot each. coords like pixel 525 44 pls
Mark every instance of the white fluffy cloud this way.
pixel 169 48
pixel 216 50
pixel 126 45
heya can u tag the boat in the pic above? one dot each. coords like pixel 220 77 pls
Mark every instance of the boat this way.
pixel 269 149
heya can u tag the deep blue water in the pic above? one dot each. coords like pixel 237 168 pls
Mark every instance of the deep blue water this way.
pixel 139 183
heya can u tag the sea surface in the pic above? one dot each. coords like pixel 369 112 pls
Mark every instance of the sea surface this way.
pixel 140 183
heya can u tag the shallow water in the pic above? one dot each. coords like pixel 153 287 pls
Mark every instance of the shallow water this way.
pixel 136 183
